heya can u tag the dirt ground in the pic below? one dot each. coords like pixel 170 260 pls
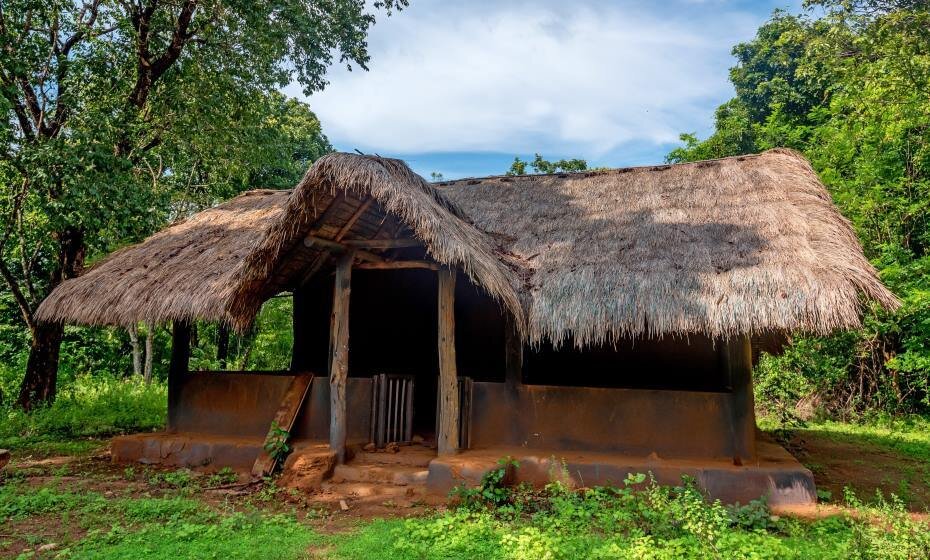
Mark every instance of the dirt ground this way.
pixel 839 462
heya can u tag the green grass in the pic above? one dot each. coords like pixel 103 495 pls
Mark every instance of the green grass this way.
pixel 170 527
pixel 909 436
pixel 92 407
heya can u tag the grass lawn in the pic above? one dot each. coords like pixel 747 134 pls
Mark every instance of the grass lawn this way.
pixel 78 505
pixel 62 498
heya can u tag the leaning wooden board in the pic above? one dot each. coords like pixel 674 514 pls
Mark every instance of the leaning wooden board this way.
pixel 284 418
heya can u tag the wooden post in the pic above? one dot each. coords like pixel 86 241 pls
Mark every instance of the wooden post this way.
pixel 339 356
pixel 177 369
pixel 738 359
pixel 448 437
pixel 513 353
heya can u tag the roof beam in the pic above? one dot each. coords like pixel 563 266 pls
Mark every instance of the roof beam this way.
pixel 313 242
pixel 382 243
pixel 395 265
pixel 363 207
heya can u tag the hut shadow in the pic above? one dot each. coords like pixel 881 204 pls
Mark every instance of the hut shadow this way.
pixel 606 263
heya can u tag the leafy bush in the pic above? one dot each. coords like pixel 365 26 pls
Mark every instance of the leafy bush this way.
pixel 92 406
pixel 640 519
pixel 887 531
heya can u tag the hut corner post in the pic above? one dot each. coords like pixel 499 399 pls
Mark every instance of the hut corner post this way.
pixel 738 358
pixel 339 356
pixel 448 437
pixel 177 369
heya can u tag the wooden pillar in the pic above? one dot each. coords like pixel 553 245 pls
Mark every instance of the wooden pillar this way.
pixel 738 360
pixel 513 353
pixel 339 356
pixel 448 437
pixel 177 369
pixel 299 359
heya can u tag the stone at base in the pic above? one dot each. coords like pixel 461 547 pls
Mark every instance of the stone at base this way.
pixel 307 469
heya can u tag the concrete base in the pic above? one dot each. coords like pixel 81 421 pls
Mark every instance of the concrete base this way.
pixel 776 474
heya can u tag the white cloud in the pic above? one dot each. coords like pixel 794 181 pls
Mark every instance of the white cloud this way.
pixel 523 76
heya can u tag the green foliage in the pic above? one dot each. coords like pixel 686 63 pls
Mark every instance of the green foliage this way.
pixel 637 520
pixel 91 407
pixel 120 117
pixel 892 534
pixel 166 527
pixel 851 90
pixel 276 443
pixel 540 165
pixel 492 491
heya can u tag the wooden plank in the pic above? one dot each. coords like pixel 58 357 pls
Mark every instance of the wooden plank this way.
pixel 448 438
pixel 395 265
pixel 339 356
pixel 177 369
pixel 284 419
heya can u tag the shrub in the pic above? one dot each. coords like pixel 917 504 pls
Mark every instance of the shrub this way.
pixel 92 406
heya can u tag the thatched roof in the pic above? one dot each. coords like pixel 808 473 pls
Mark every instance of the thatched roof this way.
pixel 736 245
pixel 739 245
pixel 184 271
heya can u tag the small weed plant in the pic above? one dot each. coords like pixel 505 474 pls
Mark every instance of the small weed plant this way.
pixel 276 445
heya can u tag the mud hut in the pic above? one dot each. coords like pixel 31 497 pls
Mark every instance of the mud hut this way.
pixel 593 323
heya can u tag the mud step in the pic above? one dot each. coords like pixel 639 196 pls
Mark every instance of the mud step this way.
pixel 397 475
pixel 409 456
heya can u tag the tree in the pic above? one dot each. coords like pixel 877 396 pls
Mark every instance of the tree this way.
pixel 114 107
pixel 540 165
pixel 851 90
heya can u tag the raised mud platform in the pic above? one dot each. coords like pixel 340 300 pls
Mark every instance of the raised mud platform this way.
pixel 197 450
pixel 775 474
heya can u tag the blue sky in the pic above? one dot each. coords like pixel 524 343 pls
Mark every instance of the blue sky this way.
pixel 460 88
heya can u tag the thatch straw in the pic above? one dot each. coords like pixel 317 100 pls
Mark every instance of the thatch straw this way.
pixel 733 246
pixel 183 272
pixel 448 237
pixel 737 245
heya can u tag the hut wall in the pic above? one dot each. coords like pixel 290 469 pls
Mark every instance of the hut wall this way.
pixel 671 423
pixel 243 405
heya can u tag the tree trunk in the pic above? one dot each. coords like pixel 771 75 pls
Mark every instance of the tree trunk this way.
pixel 149 346
pixel 39 382
pixel 41 379
pixel 136 349
pixel 222 344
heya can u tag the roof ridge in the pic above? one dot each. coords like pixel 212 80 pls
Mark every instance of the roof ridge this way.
pixel 628 169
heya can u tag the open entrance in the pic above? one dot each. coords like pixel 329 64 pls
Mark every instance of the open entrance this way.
pixel 392 333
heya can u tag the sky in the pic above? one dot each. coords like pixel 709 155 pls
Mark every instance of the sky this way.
pixel 461 88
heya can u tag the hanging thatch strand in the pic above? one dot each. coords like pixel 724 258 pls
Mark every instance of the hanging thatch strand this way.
pixel 748 244
pixel 737 245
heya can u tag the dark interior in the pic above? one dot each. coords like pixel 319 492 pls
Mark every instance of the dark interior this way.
pixel 690 363
pixel 393 329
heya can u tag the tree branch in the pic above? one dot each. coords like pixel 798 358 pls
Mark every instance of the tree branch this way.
pixel 24 307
